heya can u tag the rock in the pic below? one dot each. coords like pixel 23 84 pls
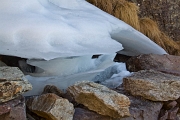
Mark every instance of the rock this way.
pixel 140 108
pixel 100 99
pixel 153 85
pixel 2 64
pixel 12 83
pixel 84 114
pixel 169 105
pixel 52 89
pixel 51 107
pixel 166 63
pixel 13 110
pixel 172 114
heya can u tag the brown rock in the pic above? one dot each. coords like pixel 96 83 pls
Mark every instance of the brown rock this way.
pixel 153 85
pixel 12 83
pixel 100 99
pixel 141 109
pixel 13 110
pixel 52 89
pixel 166 63
pixel 84 114
pixel 51 107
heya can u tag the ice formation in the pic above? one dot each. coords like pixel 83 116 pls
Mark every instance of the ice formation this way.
pixel 60 36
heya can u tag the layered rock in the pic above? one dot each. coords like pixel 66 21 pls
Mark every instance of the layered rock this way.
pixel 140 108
pixel 12 83
pixel 153 85
pixel 100 99
pixel 51 107
pixel 164 63
pixel 13 110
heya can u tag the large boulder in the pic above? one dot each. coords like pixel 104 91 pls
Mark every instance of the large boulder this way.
pixel 12 83
pixel 51 107
pixel 153 85
pixel 164 63
pixel 13 110
pixel 100 99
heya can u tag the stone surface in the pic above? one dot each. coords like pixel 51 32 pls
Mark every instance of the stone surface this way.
pixel 51 107
pixel 100 99
pixel 153 85
pixel 157 62
pixel 140 108
pixel 2 64
pixel 13 110
pixel 84 114
pixel 52 89
pixel 12 83
pixel 165 12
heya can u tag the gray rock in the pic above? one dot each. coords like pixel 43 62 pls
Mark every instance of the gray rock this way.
pixel 12 83
pixel 140 108
pixel 153 85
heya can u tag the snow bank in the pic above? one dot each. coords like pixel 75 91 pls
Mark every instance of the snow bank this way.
pixel 48 29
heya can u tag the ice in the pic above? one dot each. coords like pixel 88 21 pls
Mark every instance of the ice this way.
pixel 49 29
pixel 70 65
pixel 62 81
pixel 60 36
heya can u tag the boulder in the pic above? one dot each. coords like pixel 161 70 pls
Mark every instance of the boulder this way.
pixel 13 110
pixel 140 108
pixel 166 63
pixel 12 83
pixel 153 85
pixel 100 99
pixel 51 107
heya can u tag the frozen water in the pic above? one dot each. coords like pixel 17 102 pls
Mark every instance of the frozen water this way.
pixel 48 29
pixel 60 36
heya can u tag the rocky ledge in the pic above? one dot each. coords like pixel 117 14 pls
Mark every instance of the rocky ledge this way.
pixel 151 92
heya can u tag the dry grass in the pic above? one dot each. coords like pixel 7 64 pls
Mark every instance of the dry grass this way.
pixel 128 12
pixel 125 11
pixel 149 28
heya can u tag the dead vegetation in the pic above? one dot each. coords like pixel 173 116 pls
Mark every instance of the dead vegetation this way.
pixel 128 12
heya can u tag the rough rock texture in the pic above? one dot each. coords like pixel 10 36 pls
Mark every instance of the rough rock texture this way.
pixel 100 99
pixel 52 89
pixel 12 83
pixel 141 109
pixel 13 110
pixel 84 114
pixel 153 85
pixel 51 107
pixel 166 63
pixel 165 12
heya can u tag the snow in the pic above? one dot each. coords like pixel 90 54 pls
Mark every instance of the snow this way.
pixel 48 29
pixel 60 36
